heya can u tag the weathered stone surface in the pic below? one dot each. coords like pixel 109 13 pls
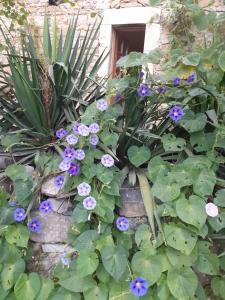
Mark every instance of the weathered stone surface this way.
pixel 5 161
pixel 135 222
pixel 60 206
pixel 44 263
pixel 56 248
pixel 132 202
pixel 54 228
pixel 49 188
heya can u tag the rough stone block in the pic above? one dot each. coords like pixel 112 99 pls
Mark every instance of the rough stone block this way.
pixel 56 248
pixel 132 203
pixel 49 188
pixel 54 228
pixel 60 206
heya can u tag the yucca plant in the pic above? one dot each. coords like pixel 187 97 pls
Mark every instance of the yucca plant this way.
pixel 49 84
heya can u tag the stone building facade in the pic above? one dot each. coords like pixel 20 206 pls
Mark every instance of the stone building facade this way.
pixel 112 13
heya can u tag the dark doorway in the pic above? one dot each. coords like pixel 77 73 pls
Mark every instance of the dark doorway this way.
pixel 125 39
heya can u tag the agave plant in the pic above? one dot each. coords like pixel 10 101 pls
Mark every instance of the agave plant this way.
pixel 48 85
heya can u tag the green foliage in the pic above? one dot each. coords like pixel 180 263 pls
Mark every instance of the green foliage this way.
pixel 51 84
pixel 179 167
pixel 182 283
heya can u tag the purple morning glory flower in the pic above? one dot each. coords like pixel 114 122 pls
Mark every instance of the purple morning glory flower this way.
pixel 19 214
pixel 143 90
pixel 75 127
pixel 34 225
pixel 83 189
pixel 83 130
pixel 64 165
pixel 89 203
pixel 176 81
pixel 11 203
pixel 162 89
pixel 94 128
pixel 74 169
pixel 139 287
pixel 191 78
pixel 93 139
pixel 79 154
pixel 45 206
pixel 102 104
pixel 71 139
pixel 107 160
pixel 118 98
pixel 59 181
pixel 61 133
pixel 122 224
pixel 69 154
pixel 141 74
pixel 65 260
pixel 176 113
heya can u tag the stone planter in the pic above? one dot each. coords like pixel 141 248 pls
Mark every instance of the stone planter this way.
pixel 132 203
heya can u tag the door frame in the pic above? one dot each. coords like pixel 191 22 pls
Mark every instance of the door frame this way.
pixel 133 15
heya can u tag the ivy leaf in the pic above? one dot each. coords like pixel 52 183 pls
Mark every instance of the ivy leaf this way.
pixel 192 211
pixel 11 272
pixel 166 191
pixel 27 287
pixel 220 198
pixel 218 222
pixel 86 263
pixel 201 141
pixel 63 294
pixel 3 294
pixel 109 138
pixel 182 283
pixel 205 183
pixel 180 238
pixel 171 143
pixel 74 283
pixel 157 167
pixel 16 172
pixel 221 61
pixel 22 190
pixel 102 274
pixel 47 287
pixel 178 259
pixel 181 175
pixel 218 286
pixel 133 59
pixel 207 262
pixel 191 59
pixel 10 140
pixel 18 235
pixel 114 260
pixel 105 175
pixel 80 214
pixel 147 266
pixel 142 236
pixel 193 122
pixel 85 240
pixel 138 155
pixel 99 292
pixel 120 291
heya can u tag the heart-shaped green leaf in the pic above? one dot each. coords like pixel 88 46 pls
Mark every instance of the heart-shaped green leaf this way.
pixel 138 155
pixel 192 211
pixel 182 283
